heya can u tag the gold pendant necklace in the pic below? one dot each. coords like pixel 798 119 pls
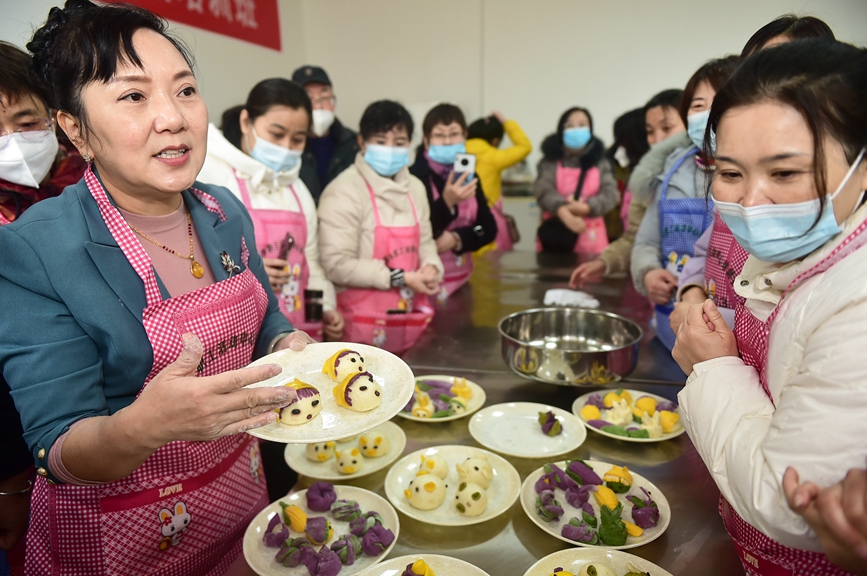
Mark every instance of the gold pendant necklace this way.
pixel 196 269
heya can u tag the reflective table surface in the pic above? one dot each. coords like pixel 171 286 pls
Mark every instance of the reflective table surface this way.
pixel 463 341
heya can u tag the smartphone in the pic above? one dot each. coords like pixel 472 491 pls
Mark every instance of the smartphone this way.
pixel 465 163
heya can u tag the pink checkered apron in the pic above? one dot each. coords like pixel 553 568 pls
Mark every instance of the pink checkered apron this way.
pixel 283 234
pixel 725 260
pixel 503 241
pixel 760 555
pixel 4 219
pixel 457 267
pixel 391 319
pixel 595 239
pixel 184 510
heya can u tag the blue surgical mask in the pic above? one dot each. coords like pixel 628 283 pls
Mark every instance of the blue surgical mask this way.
pixel 576 138
pixel 446 154
pixel 275 157
pixel 784 232
pixel 696 126
pixel 386 160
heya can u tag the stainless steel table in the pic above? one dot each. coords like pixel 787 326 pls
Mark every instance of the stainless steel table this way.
pixel 463 341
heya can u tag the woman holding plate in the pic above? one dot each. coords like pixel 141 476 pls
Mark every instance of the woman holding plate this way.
pixel 784 389
pixel 138 299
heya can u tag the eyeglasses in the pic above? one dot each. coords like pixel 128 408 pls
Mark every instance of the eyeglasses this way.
pixel 323 100
pixel 38 125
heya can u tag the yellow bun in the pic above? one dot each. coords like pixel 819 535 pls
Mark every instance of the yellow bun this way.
pixel 328 368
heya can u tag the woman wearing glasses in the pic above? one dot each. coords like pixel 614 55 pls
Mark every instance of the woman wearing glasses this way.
pixel 258 157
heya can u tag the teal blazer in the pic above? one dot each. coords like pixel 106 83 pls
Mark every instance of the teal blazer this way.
pixel 72 342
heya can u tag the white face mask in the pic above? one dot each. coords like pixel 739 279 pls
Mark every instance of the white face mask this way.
pixel 322 121
pixel 26 157
pixel 621 156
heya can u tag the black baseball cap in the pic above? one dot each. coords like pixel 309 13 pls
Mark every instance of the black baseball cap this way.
pixel 307 74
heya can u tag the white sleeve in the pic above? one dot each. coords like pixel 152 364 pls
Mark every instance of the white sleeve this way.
pixel 317 280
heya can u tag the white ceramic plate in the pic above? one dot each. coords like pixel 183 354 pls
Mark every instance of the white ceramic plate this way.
pixel 261 558
pixel 477 400
pixel 298 461
pixel 575 558
pixel 528 502
pixel 513 429
pixel 502 493
pixel 579 403
pixel 439 564
pixel 335 422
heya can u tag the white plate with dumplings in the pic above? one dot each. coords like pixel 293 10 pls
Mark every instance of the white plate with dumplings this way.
pixel 262 559
pixel 513 429
pixel 330 420
pixel 577 559
pixel 441 565
pixel 431 475
pixel 320 460
pixel 634 395
pixel 476 400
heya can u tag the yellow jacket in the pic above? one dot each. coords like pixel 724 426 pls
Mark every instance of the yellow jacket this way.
pixel 490 161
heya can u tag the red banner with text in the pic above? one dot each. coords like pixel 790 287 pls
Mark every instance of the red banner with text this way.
pixel 256 21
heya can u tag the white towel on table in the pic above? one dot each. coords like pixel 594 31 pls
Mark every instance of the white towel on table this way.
pixel 566 297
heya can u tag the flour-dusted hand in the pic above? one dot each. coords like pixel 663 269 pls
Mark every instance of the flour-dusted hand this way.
pixel 704 335
pixel 296 341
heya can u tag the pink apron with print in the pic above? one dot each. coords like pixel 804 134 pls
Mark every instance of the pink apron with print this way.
pixel 503 240
pixel 457 268
pixel 184 511
pixel 595 238
pixel 283 234
pixel 725 260
pixel 391 319
pixel 760 555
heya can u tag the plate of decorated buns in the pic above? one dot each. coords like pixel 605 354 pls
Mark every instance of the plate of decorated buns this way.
pixel 527 430
pixel 424 565
pixel 594 562
pixel 343 389
pixel 452 485
pixel 629 415
pixel 592 503
pixel 348 458
pixel 333 529
pixel 443 398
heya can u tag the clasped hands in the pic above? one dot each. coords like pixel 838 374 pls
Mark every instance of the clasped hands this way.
pixel 703 336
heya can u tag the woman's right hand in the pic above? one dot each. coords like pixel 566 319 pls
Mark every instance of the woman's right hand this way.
pixel 178 405
pixel 457 189
pixel 660 285
pixel 592 272
pixel 574 223
pixel 278 272
pixel 422 281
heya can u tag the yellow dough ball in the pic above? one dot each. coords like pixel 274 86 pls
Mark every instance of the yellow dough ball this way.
pixel 646 404
pixel 611 399
pixel 670 421
pixel 591 412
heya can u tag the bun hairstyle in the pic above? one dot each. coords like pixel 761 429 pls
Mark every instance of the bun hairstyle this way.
pixel 84 42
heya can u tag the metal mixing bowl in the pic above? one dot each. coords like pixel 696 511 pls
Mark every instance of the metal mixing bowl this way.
pixel 570 346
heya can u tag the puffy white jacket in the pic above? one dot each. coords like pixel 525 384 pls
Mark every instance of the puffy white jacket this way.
pixel 817 375
pixel 269 190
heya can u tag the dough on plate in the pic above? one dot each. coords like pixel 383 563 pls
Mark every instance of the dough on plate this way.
pixel 426 492
pixel 358 392
pixel 304 408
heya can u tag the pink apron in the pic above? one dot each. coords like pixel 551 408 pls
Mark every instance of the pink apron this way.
pixel 760 555
pixel 457 268
pixel 391 319
pixel 185 509
pixel 4 220
pixel 283 234
pixel 595 239
pixel 725 261
pixel 503 240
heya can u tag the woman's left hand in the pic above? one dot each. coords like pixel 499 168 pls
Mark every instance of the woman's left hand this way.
pixel 333 325
pixel 296 340
pixel 704 335
pixel 446 242
pixel 579 207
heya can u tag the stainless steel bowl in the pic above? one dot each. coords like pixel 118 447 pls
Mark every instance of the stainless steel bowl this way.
pixel 570 346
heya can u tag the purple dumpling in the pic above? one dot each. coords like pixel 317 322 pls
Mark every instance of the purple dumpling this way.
pixel 274 538
pixel 595 400
pixel 376 540
pixel 584 473
pixel 645 512
pixel 320 496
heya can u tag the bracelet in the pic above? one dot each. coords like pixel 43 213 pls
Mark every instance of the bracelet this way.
pixel 276 339
pixel 25 491
pixel 459 243
pixel 396 278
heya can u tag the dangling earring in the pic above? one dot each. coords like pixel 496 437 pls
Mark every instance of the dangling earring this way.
pixel 86 157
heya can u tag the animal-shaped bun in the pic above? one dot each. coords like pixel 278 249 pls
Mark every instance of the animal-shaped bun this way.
pixel 426 492
pixel 423 406
pixel 471 499
pixel 349 461
pixel 435 465
pixel 374 444
pixel 358 392
pixel 476 470
pixel 304 408
pixel 320 451
pixel 342 364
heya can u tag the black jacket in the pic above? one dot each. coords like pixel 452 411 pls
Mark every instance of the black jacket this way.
pixel 345 149
pixel 481 233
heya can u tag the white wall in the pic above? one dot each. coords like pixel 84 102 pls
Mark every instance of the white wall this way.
pixel 531 59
